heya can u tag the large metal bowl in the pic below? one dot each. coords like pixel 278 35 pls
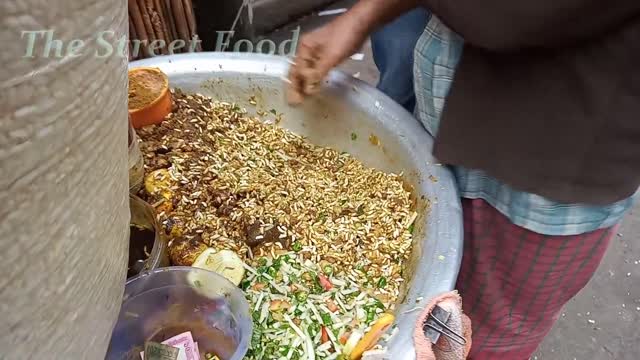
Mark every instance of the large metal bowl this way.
pixel 348 105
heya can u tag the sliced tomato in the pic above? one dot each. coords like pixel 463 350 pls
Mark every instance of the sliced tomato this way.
pixel 332 306
pixel 258 286
pixel 325 283
pixel 277 305
pixel 325 335
pixel 343 339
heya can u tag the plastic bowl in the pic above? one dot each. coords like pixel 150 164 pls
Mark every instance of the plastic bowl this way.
pixel 165 302
pixel 154 111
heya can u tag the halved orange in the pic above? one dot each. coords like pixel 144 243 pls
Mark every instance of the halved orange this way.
pixel 149 96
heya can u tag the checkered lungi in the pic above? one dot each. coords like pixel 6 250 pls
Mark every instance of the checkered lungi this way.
pixel 514 282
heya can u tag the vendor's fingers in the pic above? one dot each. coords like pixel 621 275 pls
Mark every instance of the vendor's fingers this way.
pixel 309 51
pixel 295 85
pixel 294 98
pixel 295 93
pixel 312 79
pixel 303 73
pixel 301 78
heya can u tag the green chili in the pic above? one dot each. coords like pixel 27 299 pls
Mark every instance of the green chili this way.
pixel 328 269
pixel 301 296
pixel 272 272
pixel 263 261
pixel 371 313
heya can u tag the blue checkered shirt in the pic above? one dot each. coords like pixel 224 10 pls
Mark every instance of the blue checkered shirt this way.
pixel 436 56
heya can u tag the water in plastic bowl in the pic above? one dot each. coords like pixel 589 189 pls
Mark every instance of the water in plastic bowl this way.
pixel 163 303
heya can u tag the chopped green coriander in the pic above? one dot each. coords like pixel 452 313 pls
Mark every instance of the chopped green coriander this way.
pixel 313 329
pixel 285 350
pixel 277 263
pixel 377 303
pixel 354 136
pixel 371 314
pixel 326 318
pixel 256 337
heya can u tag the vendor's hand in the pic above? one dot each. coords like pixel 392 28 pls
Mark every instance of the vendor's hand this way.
pixel 320 51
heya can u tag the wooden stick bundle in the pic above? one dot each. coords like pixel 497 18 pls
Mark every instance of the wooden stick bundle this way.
pixel 168 14
pixel 181 22
pixel 191 21
pixel 139 29
pixel 159 10
pixel 154 19
pixel 165 20
pixel 132 35
pixel 146 19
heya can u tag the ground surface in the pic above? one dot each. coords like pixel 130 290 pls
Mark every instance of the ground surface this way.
pixel 603 321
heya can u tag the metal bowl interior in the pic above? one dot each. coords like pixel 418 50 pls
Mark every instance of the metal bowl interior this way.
pixel 349 106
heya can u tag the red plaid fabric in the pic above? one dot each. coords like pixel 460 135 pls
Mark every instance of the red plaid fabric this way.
pixel 514 282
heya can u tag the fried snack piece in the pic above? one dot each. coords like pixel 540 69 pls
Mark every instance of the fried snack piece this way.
pixel 183 252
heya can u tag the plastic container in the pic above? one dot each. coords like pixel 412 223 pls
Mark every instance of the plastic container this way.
pixel 155 110
pixel 136 162
pixel 160 304
pixel 144 216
